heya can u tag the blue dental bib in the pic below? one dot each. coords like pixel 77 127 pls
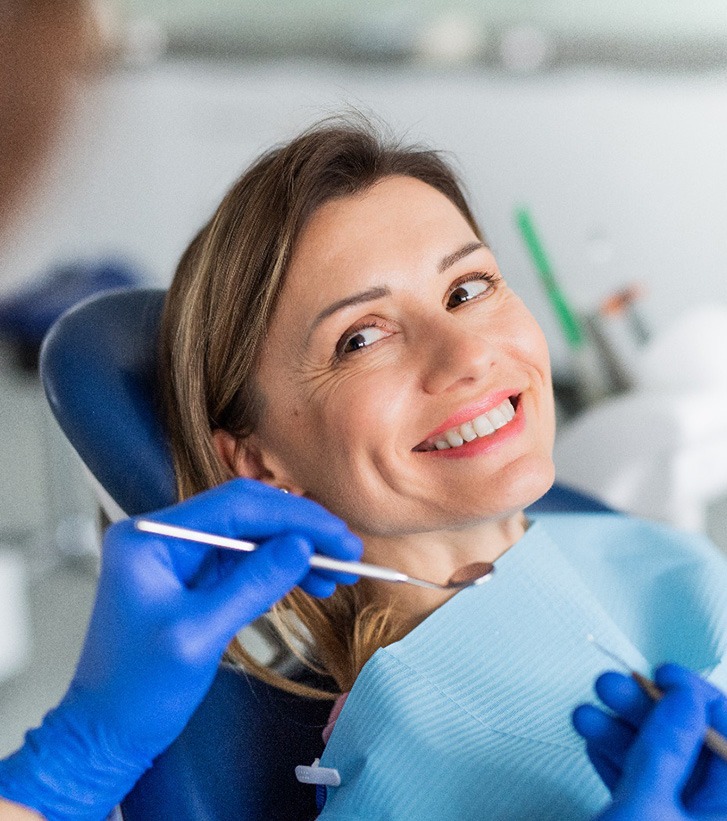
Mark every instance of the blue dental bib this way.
pixel 468 716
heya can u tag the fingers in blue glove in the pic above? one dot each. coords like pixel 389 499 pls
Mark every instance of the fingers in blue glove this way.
pixel 315 585
pixel 259 580
pixel 666 772
pixel 165 610
pixel 322 583
pixel 666 749
pixel 608 739
pixel 672 675
pixel 609 772
pixel 248 509
pixel 624 696
pixel 603 730
pixel 707 790
pixel 244 508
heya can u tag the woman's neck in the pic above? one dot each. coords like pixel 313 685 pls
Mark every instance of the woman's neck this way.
pixel 435 556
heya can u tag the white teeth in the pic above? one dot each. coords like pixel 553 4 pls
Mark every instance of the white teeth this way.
pixel 453 437
pixel 467 432
pixel 497 418
pixel 482 425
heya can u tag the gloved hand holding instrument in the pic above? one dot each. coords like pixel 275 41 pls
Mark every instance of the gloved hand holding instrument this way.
pixel 164 613
pixel 652 753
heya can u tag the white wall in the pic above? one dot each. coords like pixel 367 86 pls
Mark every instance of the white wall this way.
pixel 635 163
pixel 669 19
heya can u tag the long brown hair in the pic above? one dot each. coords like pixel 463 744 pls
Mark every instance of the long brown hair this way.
pixel 215 319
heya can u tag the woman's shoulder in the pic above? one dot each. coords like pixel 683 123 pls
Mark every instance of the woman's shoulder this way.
pixel 665 588
pixel 620 537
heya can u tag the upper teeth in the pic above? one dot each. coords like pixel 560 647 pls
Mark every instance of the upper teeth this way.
pixel 480 426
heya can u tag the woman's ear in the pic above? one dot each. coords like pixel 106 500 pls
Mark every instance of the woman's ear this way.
pixel 244 457
pixel 239 455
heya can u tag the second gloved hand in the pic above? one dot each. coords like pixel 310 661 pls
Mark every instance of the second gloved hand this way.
pixel 165 611
pixel 650 754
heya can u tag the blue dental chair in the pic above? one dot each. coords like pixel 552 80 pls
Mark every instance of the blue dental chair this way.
pixel 236 757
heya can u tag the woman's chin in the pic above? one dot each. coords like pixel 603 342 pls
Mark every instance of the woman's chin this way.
pixel 525 482
pixel 538 484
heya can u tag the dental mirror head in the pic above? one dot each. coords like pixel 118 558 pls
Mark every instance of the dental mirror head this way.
pixel 470 575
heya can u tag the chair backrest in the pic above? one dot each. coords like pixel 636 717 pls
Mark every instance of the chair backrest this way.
pixel 236 758
pixel 98 368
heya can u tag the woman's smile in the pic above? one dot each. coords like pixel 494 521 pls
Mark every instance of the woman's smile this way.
pixel 480 435
pixel 478 420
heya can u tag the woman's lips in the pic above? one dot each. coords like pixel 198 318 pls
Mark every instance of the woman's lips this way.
pixel 478 420
pixel 482 444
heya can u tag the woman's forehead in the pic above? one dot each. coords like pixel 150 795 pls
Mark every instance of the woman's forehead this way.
pixel 396 226
pixel 393 204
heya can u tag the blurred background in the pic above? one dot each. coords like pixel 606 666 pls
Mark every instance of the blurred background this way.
pixel 591 137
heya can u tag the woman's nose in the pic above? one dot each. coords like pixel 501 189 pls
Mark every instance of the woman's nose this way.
pixel 453 354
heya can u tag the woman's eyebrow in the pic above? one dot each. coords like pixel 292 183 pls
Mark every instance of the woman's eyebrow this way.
pixel 450 259
pixel 363 296
pixel 381 290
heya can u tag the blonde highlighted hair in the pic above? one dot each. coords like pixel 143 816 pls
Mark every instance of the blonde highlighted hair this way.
pixel 216 315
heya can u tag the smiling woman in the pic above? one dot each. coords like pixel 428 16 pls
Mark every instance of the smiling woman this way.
pixel 375 361
pixel 341 329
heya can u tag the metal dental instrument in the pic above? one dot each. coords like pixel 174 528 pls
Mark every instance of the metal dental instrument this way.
pixel 713 740
pixel 467 576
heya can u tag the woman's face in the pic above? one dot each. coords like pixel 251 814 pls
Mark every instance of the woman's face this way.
pixel 393 329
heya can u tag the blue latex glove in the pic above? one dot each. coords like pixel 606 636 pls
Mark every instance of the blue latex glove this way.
pixel 650 754
pixel 165 610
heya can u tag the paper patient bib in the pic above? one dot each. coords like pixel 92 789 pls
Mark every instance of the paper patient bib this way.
pixel 468 716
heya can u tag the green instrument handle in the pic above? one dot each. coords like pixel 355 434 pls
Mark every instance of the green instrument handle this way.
pixel 567 318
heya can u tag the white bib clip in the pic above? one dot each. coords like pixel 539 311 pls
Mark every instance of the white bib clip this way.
pixel 315 774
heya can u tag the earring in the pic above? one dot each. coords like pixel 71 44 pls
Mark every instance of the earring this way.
pixel 283 490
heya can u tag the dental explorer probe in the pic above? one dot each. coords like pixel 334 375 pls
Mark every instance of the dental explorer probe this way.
pixel 467 576
pixel 713 740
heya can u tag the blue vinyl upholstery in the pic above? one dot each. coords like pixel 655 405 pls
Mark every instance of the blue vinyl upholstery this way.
pixel 561 499
pixel 98 368
pixel 236 757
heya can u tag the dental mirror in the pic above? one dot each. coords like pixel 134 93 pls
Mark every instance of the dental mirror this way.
pixel 467 576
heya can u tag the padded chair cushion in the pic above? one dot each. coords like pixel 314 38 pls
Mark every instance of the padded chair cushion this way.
pixel 236 759
pixel 98 367
pixel 562 499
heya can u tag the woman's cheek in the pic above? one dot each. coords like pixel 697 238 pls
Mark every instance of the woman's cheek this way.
pixel 366 417
pixel 530 340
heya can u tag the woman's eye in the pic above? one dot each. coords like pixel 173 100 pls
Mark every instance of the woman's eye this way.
pixel 466 291
pixel 361 338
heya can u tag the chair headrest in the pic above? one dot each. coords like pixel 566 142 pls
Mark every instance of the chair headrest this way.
pixel 98 368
